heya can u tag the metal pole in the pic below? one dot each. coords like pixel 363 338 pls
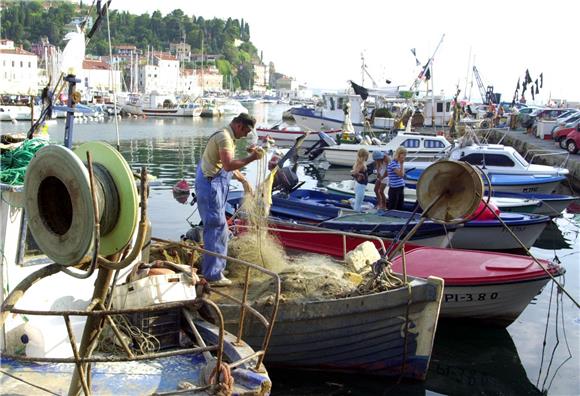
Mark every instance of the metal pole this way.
pixel 70 112
pixel 91 331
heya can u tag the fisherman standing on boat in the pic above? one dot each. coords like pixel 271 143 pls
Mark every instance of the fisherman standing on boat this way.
pixel 214 172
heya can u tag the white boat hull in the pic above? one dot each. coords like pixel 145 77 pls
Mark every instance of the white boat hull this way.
pixel 496 237
pixel 345 154
pixel 494 302
pixel 281 136
pixel 321 124
pixel 346 187
pixel 540 188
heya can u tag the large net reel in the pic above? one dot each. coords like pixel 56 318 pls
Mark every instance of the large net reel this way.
pixel 449 191
pixel 59 205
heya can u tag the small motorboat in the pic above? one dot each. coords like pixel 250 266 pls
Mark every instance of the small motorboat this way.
pixel 506 202
pixel 286 134
pixel 332 211
pixel 549 204
pixel 488 286
pixel 503 182
pixel 419 146
pixel 507 170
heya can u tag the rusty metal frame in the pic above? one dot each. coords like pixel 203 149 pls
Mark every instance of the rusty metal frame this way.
pixel 243 303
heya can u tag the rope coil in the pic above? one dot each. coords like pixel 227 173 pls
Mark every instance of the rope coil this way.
pixel 13 163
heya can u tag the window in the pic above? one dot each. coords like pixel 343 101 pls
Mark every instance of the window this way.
pixel 411 143
pixel 29 64
pixel 439 107
pixel 448 106
pixel 433 144
pixel 490 160
pixel 21 64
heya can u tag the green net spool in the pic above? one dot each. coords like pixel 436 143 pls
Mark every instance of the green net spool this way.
pixel 58 201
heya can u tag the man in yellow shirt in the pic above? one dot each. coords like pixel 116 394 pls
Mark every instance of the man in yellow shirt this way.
pixel 214 172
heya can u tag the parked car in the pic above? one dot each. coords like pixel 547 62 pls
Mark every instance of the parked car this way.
pixel 560 132
pixel 573 141
pixel 546 113
pixel 524 114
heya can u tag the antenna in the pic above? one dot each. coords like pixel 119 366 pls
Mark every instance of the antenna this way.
pixel 364 71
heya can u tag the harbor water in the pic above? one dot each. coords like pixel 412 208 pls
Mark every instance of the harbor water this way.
pixel 537 354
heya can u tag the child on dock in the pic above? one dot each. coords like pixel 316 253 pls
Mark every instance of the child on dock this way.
pixel 381 162
pixel 359 173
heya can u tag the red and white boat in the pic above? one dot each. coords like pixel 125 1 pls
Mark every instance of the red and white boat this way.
pixel 284 133
pixel 487 286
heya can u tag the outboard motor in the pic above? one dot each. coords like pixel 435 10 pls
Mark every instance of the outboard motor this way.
pixel 286 180
pixel 317 148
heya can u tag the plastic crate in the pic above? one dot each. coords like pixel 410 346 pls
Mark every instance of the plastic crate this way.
pixel 153 290
pixel 163 325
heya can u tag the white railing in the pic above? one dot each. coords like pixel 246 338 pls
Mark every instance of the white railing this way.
pixel 537 153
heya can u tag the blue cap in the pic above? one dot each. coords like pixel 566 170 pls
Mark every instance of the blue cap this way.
pixel 378 155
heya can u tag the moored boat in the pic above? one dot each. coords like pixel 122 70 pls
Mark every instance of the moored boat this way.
pixel 283 133
pixel 488 286
pixel 318 208
pixel 138 346
pixel 332 211
pixel 419 147
pixel 507 170
pixel 549 204
pixel 380 332
pixel 506 203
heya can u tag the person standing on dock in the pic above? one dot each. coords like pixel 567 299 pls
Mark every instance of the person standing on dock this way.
pixel 360 174
pixel 396 174
pixel 214 172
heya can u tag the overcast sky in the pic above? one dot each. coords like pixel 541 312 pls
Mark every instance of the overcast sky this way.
pixel 320 42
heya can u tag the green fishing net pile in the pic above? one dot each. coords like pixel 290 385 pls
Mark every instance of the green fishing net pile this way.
pixel 13 163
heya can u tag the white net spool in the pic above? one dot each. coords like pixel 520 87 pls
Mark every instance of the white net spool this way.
pixel 450 190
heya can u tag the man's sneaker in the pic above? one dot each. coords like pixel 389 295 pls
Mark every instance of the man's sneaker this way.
pixel 221 282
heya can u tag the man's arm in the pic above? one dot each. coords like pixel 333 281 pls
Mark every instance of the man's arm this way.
pixel 242 179
pixel 231 164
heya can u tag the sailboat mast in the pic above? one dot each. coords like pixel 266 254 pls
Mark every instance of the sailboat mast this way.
pixel 467 74
pixel 202 66
pixel 362 69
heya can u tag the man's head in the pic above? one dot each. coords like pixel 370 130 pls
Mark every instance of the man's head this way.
pixel 243 124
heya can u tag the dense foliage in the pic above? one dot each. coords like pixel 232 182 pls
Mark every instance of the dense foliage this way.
pixel 26 22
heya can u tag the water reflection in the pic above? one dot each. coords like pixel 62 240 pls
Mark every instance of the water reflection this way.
pixel 471 360
pixel 466 360
pixel 552 238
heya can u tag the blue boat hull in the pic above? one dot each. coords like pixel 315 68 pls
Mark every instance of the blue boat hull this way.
pixel 540 184
pixel 360 334
pixel 332 211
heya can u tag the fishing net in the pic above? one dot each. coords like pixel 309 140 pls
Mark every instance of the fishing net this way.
pixel 303 276
pixel 13 163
